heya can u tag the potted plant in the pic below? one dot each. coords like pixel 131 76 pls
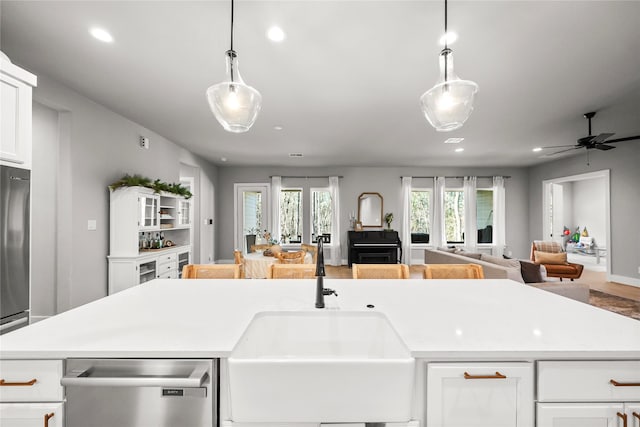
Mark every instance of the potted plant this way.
pixel 388 218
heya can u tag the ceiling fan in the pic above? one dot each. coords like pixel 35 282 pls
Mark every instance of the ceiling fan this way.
pixel 599 142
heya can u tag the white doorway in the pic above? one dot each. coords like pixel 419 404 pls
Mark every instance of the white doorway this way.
pixel 580 202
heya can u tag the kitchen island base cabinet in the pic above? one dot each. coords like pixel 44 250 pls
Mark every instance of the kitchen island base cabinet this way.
pixel 32 414
pixel 480 395
pixel 587 415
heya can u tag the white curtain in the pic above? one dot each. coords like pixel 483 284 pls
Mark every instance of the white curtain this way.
pixel 276 187
pixel 406 219
pixel 336 252
pixel 499 216
pixel 438 235
pixel 470 214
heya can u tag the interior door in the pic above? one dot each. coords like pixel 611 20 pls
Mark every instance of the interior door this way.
pixel 252 211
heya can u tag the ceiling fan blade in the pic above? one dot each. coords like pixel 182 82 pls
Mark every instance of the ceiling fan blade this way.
pixel 599 139
pixel 586 140
pixel 558 146
pixel 628 138
pixel 604 147
pixel 561 151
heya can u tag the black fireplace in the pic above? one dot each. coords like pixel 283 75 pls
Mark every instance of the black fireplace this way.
pixel 374 247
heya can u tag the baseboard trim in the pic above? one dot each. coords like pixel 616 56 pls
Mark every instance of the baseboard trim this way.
pixel 631 281
pixel 34 319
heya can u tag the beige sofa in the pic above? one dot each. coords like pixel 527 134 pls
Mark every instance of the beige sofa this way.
pixel 573 290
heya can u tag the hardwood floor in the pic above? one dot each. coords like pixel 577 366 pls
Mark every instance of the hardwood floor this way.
pixel 595 279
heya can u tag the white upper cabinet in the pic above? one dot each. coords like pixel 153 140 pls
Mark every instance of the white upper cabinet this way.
pixel 15 115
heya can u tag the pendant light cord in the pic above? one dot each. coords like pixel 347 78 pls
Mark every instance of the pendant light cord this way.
pixel 446 42
pixel 231 52
pixel 232 25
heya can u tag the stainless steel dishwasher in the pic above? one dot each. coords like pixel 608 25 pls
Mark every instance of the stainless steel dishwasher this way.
pixel 141 393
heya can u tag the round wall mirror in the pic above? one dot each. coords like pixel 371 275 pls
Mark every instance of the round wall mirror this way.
pixel 370 209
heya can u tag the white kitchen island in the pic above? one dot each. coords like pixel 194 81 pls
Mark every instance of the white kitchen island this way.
pixel 449 326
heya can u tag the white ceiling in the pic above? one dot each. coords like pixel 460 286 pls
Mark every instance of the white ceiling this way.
pixel 345 84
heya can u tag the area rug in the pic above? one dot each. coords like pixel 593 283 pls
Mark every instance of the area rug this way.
pixel 624 306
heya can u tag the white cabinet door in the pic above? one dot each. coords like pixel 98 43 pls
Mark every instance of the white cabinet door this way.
pixel 148 212
pixel 15 119
pixel 184 213
pixel 480 395
pixel 580 415
pixel 633 414
pixel 32 414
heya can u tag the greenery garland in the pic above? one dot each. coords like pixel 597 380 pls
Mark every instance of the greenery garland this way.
pixel 157 186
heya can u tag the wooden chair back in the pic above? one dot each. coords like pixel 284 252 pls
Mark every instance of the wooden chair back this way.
pixel 238 258
pixel 291 271
pixel 380 271
pixel 291 257
pixel 211 271
pixel 313 250
pixel 453 271
pixel 261 247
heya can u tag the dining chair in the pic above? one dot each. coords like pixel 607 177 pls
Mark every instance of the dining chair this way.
pixel 260 247
pixel 453 271
pixel 291 271
pixel 291 257
pixel 380 271
pixel 312 249
pixel 211 271
pixel 238 258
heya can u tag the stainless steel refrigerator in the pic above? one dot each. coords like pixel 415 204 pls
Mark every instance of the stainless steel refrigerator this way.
pixel 14 248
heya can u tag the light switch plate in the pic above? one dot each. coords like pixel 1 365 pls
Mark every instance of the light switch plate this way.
pixel 91 224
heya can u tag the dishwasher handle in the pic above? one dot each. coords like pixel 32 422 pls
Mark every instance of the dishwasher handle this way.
pixel 84 379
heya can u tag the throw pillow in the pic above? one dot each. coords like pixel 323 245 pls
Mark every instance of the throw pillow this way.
pixel 550 258
pixel 530 272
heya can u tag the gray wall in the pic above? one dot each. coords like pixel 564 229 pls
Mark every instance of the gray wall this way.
pixel 384 180
pixel 589 208
pixel 97 146
pixel 624 163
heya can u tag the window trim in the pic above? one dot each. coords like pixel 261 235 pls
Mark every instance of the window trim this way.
pixel 301 190
pixel 333 206
pixel 430 225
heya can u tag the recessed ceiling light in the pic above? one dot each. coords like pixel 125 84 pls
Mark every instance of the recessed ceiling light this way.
pixel 278 128
pixel 275 34
pixel 223 159
pixel 459 150
pixel 450 37
pixel 101 34
pixel 535 150
pixel 454 140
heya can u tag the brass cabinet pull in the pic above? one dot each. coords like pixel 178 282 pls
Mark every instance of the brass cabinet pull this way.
pixel 624 418
pixel 497 376
pixel 617 384
pixel 27 383
pixel 47 417
pixel 636 415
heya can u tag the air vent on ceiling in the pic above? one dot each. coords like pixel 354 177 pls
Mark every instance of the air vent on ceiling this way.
pixel 454 140
pixel 295 155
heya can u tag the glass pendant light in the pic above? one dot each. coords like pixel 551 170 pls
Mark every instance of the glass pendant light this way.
pixel 234 104
pixel 449 103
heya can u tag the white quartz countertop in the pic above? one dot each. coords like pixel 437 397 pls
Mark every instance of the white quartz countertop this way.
pixel 437 319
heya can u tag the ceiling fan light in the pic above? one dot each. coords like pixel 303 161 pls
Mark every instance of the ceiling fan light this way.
pixel 234 104
pixel 449 103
